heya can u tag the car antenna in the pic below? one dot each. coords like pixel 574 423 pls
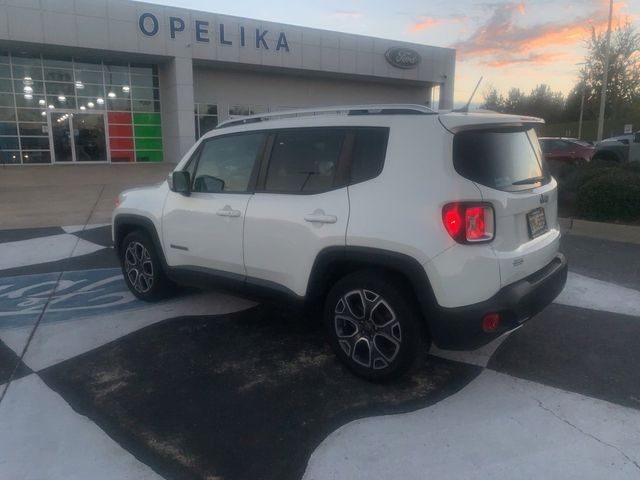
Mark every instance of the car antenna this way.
pixel 465 109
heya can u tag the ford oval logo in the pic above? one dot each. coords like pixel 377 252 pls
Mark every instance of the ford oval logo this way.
pixel 402 57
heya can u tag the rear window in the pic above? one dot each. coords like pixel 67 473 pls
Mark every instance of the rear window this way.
pixel 504 159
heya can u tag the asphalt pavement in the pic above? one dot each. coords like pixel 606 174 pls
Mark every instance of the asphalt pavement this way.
pixel 206 385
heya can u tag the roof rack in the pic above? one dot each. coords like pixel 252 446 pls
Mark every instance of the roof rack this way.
pixel 383 109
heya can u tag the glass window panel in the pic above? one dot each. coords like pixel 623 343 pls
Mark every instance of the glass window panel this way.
pixel 7 157
pixel 33 129
pixel 116 78
pixel 26 59
pixel 120 130
pixel 146 118
pixel 35 143
pixel 31 71
pixel 87 64
pixel 58 75
pixel 207 123
pixel 29 115
pixel 368 154
pixel 149 143
pixel 5 85
pixel 88 90
pixel 6 100
pixel 5 71
pixel 118 105
pixel 58 88
pixel 4 57
pixel 66 102
pixel 30 101
pixel 90 103
pixel 8 143
pixel 116 67
pixel 140 93
pixel 8 128
pixel 140 69
pixel 208 109
pixel 146 106
pixel 149 131
pixel 59 62
pixel 7 115
pixel 144 81
pixel 36 157
pixel 89 77
pixel 29 86
pixel 119 117
pixel 148 156
pixel 122 156
pixel 119 91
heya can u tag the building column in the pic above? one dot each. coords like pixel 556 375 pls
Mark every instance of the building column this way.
pixel 176 97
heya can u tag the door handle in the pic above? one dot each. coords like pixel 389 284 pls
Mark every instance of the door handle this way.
pixel 320 218
pixel 227 211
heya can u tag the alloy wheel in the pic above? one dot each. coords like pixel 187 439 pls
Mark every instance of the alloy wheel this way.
pixel 138 267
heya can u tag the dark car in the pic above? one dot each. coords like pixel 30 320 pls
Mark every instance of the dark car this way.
pixel 567 150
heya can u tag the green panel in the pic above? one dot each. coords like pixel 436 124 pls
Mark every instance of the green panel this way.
pixel 148 156
pixel 149 131
pixel 146 119
pixel 149 143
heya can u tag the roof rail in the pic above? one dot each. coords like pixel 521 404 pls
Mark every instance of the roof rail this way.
pixel 382 109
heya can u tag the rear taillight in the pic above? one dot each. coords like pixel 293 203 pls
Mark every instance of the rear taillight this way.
pixel 469 222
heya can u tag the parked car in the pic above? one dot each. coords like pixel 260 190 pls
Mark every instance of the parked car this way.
pixel 400 225
pixel 567 150
pixel 619 149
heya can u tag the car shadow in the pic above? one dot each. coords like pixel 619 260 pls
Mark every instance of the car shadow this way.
pixel 247 395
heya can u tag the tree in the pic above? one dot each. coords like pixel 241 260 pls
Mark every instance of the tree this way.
pixel 623 89
pixel 492 99
pixel 515 102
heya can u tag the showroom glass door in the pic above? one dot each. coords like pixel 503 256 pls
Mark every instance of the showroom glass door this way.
pixel 79 137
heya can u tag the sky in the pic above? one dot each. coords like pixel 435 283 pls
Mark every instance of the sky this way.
pixel 511 44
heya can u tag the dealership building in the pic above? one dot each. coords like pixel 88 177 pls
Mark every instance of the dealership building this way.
pixel 121 81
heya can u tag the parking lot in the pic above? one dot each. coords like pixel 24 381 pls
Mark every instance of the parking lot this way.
pixel 96 384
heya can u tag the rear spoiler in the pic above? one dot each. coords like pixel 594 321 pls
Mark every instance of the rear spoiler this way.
pixel 454 121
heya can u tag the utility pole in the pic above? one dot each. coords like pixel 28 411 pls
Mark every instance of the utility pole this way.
pixel 581 113
pixel 603 95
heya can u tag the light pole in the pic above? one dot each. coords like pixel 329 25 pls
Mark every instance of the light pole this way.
pixel 603 95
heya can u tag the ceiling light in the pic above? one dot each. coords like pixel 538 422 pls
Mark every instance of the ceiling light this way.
pixel 111 95
pixel 51 107
pixel 43 113
pixel 28 96
pixel 100 100
pixel 41 102
pixel 90 104
pixel 62 98
pixel 27 81
pixel 125 89
pixel 82 107
pixel 27 89
pixel 79 85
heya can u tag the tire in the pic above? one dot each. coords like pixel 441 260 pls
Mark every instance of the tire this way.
pixel 373 325
pixel 141 267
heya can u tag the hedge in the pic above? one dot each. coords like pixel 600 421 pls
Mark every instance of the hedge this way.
pixel 610 194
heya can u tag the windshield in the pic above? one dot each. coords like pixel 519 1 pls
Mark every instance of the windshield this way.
pixel 504 159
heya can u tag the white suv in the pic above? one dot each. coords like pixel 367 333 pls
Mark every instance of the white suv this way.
pixel 401 225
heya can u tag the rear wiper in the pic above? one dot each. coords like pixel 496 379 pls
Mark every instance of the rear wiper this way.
pixel 528 181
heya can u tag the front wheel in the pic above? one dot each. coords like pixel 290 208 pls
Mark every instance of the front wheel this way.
pixel 141 267
pixel 373 325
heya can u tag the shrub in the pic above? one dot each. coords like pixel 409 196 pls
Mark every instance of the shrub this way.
pixel 610 194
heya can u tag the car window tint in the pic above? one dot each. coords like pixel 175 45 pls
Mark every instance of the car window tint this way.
pixel 226 163
pixel 304 161
pixel 369 150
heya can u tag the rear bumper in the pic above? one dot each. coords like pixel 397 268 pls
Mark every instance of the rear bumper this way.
pixel 460 328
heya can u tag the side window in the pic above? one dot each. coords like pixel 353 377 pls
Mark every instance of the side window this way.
pixel 369 151
pixel 226 163
pixel 304 161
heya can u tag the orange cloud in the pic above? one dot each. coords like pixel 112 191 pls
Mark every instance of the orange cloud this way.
pixel 423 24
pixel 500 41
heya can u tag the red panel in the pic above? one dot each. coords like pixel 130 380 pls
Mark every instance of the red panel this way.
pixel 122 156
pixel 121 143
pixel 120 131
pixel 119 117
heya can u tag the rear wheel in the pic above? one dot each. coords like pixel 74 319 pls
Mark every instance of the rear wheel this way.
pixel 141 267
pixel 373 325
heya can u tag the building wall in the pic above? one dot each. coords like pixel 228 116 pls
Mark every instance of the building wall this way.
pixel 273 91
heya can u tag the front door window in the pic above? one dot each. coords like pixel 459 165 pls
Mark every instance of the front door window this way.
pixel 79 137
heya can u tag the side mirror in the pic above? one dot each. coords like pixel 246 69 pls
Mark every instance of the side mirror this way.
pixel 180 182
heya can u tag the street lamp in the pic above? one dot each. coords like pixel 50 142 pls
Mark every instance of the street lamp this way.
pixel 603 95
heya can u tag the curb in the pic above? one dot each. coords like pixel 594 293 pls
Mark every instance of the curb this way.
pixel 605 231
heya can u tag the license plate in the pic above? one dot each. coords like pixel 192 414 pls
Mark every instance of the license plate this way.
pixel 537 222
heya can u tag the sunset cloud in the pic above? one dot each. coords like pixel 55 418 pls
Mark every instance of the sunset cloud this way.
pixel 500 41
pixel 424 23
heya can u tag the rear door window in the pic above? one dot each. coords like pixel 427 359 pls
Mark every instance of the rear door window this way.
pixel 304 161
pixel 504 159
pixel 369 151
